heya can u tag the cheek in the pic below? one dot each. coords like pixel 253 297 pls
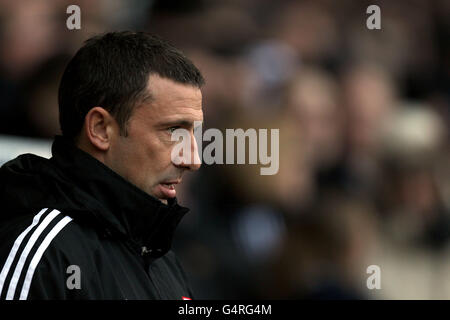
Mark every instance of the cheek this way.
pixel 160 149
pixel 163 158
pixel 155 155
pixel 146 154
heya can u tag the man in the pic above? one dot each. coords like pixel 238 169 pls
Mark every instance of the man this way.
pixel 96 220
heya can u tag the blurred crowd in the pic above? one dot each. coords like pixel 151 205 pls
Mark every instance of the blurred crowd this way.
pixel 364 141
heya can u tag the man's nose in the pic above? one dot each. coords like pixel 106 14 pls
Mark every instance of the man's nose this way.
pixel 191 160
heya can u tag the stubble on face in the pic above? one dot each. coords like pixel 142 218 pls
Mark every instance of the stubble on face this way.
pixel 143 157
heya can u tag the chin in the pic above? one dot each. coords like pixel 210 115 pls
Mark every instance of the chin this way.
pixel 156 196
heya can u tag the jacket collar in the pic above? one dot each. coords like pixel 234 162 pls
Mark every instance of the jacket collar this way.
pixel 124 208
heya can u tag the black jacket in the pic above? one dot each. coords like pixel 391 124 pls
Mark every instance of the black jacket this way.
pixel 71 228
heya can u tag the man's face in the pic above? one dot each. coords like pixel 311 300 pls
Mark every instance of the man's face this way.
pixel 143 157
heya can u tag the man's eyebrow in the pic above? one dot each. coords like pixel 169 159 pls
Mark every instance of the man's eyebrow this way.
pixel 180 122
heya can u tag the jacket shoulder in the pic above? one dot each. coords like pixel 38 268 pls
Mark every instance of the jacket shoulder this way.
pixel 35 253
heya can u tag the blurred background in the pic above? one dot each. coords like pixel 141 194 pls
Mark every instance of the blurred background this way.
pixel 364 141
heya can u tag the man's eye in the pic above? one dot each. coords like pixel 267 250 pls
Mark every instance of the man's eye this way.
pixel 172 129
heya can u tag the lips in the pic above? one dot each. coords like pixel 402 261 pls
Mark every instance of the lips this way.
pixel 167 188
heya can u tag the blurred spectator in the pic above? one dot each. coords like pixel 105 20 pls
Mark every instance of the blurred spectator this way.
pixel 325 253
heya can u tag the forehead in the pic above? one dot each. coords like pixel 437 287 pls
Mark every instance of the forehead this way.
pixel 169 99
pixel 169 104
pixel 160 87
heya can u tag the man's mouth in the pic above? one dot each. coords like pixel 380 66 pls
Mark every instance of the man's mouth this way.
pixel 167 189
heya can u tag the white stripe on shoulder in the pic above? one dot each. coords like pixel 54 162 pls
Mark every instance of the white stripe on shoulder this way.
pixel 26 251
pixel 38 255
pixel 15 248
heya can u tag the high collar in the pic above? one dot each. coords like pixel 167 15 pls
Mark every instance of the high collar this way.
pixel 125 208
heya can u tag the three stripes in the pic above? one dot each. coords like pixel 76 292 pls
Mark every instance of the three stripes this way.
pixel 39 230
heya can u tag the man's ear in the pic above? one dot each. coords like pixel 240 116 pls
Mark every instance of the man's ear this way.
pixel 98 127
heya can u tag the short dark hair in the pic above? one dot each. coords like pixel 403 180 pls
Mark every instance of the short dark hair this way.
pixel 112 71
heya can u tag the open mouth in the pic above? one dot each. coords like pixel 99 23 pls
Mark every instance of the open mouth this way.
pixel 167 189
